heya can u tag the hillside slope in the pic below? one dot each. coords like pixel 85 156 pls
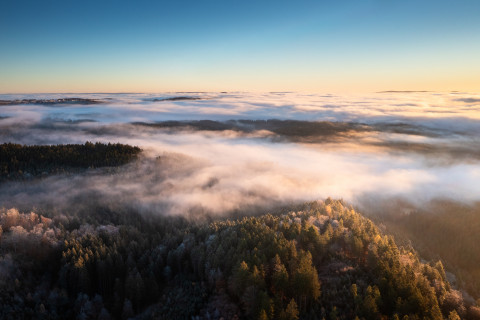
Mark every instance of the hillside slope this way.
pixel 321 260
pixel 441 229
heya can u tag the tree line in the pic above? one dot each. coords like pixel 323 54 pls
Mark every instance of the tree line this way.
pixel 22 161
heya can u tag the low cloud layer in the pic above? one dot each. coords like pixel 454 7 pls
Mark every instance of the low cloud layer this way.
pixel 385 145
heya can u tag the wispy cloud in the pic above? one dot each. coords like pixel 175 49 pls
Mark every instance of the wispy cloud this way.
pixel 468 100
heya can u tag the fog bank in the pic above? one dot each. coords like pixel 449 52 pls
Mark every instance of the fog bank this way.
pixel 420 146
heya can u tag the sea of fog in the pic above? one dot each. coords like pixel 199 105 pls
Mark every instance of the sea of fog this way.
pixel 417 146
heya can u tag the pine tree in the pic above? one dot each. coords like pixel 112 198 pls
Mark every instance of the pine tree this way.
pixel 292 310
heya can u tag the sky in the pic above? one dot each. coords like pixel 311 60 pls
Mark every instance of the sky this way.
pixel 313 46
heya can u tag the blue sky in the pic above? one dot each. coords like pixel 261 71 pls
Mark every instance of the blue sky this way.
pixel 147 46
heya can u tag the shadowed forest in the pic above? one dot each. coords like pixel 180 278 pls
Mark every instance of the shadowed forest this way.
pixel 318 260
pixel 17 161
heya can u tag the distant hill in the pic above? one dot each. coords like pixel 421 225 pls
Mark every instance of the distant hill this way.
pixel 50 102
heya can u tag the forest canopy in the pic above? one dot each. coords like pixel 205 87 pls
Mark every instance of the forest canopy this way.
pixel 320 260
pixel 22 161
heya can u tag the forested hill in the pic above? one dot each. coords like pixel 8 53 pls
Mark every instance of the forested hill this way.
pixel 18 161
pixel 322 260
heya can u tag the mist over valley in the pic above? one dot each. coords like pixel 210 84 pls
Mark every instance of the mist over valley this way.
pixel 176 172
